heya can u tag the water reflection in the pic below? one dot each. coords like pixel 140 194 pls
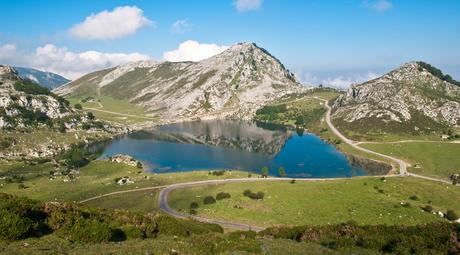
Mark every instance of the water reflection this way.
pixel 226 144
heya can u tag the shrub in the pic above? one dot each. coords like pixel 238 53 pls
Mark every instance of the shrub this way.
pixel 252 195
pixel 87 231
pixel 78 106
pixel 209 200
pixel 30 87
pixel 264 171
pixel 13 226
pixel 193 212
pixel 413 197
pixel 427 208
pixel 193 205
pixel 281 172
pixel 292 181
pixel 90 116
pixel 132 232
pixel 139 165
pixel 171 226
pixel 222 195
pixel 218 172
pixel 451 215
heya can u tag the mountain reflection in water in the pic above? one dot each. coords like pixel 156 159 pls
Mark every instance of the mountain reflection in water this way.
pixel 226 144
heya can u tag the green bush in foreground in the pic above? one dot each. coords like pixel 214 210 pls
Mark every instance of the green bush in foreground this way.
pixel 223 195
pixel 209 200
pixel 87 231
pixel 13 226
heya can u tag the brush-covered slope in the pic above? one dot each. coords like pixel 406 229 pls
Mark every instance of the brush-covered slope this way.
pixel 46 79
pixel 415 98
pixel 231 84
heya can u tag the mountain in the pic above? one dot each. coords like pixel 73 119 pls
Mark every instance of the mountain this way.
pixel 415 98
pixel 234 83
pixel 24 103
pixel 45 79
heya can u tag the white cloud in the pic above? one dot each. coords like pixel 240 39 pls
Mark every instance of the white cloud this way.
pixel 307 78
pixel 180 26
pixel 247 5
pixel 119 22
pixel 343 82
pixel 7 52
pixel 67 63
pixel 193 51
pixel 379 5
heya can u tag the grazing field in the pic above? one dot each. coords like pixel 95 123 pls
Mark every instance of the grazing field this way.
pixel 431 159
pixel 364 200
pixel 96 178
pixel 119 111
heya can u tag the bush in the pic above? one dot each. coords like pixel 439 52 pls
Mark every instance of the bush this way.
pixel 193 205
pixel 13 226
pixel 222 195
pixel 292 181
pixel 218 172
pixel 193 212
pixel 87 231
pixel 451 215
pixel 30 87
pixel 427 208
pixel 177 227
pixel 209 200
pixel 413 197
pixel 252 195
pixel 132 232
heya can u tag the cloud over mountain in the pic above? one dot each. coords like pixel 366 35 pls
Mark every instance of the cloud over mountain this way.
pixel 119 22
pixel 193 51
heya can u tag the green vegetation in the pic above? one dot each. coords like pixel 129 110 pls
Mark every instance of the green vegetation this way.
pixel 50 183
pixel 432 159
pixel 438 73
pixel 31 88
pixel 368 201
pixel 423 239
pixel 113 110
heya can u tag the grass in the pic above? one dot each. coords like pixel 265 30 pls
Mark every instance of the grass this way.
pixel 160 245
pixel 431 159
pixel 117 106
pixel 324 202
pixel 41 138
pixel 94 179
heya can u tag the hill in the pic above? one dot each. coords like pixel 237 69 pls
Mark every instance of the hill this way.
pixel 46 79
pixel 30 115
pixel 233 84
pixel 413 99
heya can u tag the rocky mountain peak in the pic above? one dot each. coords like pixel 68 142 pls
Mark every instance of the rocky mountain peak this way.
pixel 416 96
pixel 234 83
pixel 8 73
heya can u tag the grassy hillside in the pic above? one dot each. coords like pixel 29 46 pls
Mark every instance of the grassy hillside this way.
pixel 68 228
pixel 98 177
pixel 432 159
pixel 367 201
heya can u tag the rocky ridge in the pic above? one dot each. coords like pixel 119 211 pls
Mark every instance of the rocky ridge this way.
pixel 410 95
pixel 233 84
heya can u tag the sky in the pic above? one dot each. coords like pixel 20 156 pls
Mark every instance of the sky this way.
pixel 333 42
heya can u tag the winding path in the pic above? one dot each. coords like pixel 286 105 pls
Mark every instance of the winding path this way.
pixel 166 189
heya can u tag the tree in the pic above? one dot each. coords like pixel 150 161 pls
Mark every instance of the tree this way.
pixel 78 106
pixel 264 171
pixel 281 172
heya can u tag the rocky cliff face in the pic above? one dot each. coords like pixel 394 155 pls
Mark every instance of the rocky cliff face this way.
pixel 232 84
pixel 411 98
pixel 18 106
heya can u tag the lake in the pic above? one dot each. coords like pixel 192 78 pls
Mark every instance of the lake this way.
pixel 237 145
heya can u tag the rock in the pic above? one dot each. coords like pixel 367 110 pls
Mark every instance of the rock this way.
pixel 124 181
pixel 409 95
pixel 125 159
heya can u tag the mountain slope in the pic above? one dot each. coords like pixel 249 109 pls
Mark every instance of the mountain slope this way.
pixel 232 84
pixel 414 98
pixel 46 79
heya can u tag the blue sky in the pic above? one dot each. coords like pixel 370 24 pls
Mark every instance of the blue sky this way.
pixel 335 42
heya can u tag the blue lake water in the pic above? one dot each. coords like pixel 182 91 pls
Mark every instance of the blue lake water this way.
pixel 224 144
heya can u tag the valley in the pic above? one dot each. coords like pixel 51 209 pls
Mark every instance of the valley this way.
pixel 289 158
